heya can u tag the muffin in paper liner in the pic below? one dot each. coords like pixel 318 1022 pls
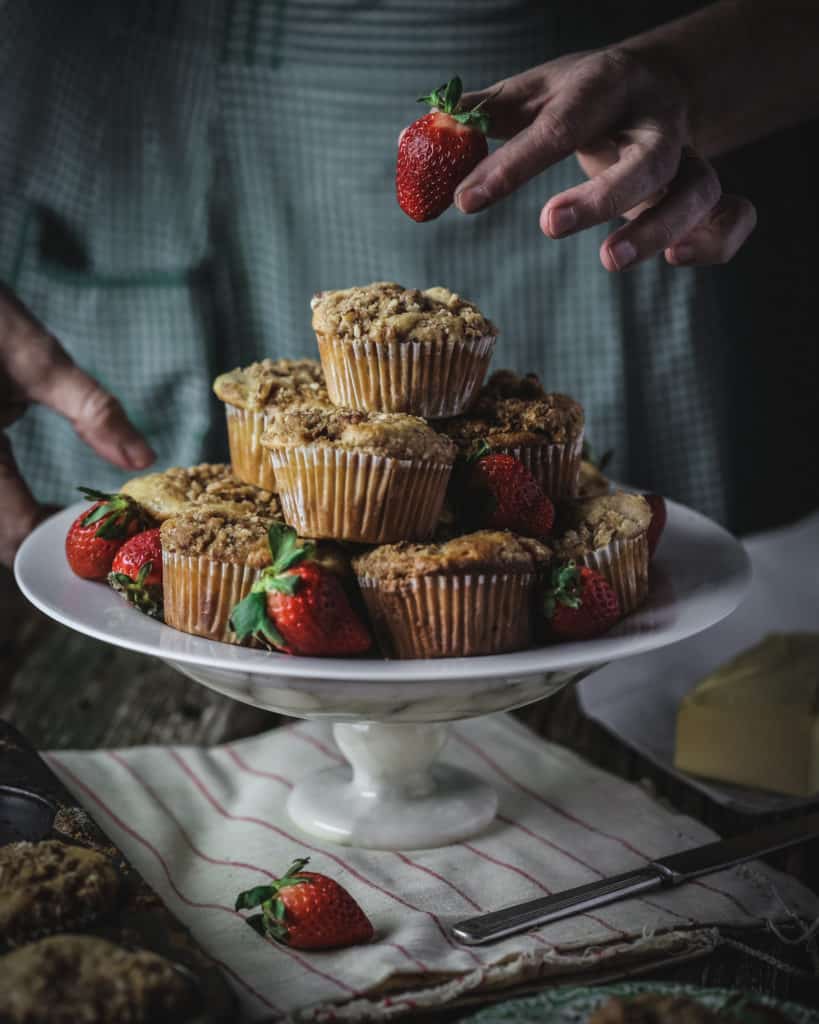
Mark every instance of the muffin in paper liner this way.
pixel 433 379
pixel 624 563
pixel 357 496
pixel 556 467
pixel 248 459
pixel 451 615
pixel 200 593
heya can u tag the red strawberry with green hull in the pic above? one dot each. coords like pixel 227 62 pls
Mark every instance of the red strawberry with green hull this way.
pixel 97 534
pixel 306 910
pixel 136 572
pixel 436 152
pixel 501 493
pixel 580 603
pixel 299 606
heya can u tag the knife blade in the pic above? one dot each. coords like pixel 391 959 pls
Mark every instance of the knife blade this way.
pixel 666 872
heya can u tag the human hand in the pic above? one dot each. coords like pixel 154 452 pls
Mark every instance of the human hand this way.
pixel 628 123
pixel 34 367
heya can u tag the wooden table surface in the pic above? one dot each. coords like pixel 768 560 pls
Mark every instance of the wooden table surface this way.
pixel 63 690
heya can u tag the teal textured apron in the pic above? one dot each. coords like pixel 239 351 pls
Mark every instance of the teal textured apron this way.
pixel 178 177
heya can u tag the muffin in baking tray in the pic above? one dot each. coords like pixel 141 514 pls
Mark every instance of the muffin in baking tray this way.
pixel 516 416
pixel 165 494
pixel 471 595
pixel 251 394
pixel 50 887
pixel 609 533
pixel 386 348
pixel 68 979
pixel 357 476
pixel 211 557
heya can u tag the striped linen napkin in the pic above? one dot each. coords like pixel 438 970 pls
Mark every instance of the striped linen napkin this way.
pixel 203 824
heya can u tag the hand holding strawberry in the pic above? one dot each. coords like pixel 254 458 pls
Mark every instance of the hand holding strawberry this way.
pixel 580 603
pixel 299 606
pixel 136 572
pixel 436 152
pixel 502 494
pixel 306 910
pixel 97 534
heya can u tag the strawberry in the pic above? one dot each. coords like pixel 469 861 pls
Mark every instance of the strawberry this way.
pixel 306 910
pixel 436 152
pixel 135 553
pixel 501 493
pixel 299 606
pixel 136 572
pixel 97 534
pixel 657 524
pixel 580 603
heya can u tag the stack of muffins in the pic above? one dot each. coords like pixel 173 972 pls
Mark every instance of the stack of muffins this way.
pixel 359 452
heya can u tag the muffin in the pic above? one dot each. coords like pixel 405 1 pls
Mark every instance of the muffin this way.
pixel 250 394
pixel 68 979
pixel 608 533
pixel 386 348
pixel 516 416
pixel 471 595
pixel 211 557
pixel 357 476
pixel 52 887
pixel 163 495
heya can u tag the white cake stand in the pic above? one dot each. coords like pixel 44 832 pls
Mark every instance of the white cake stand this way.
pixel 390 716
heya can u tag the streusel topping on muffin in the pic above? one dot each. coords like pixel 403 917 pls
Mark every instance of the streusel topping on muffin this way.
pixel 166 494
pixel 394 435
pixel 220 532
pixel 595 522
pixel 272 382
pixel 86 978
pixel 386 311
pixel 483 551
pixel 513 410
pixel 226 534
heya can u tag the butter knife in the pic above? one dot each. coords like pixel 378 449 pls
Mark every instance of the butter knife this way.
pixel 664 873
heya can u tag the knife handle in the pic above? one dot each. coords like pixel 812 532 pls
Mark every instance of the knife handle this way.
pixel 497 925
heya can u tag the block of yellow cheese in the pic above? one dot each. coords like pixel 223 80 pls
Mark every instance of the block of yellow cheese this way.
pixel 755 720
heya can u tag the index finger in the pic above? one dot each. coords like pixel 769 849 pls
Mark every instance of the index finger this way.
pixel 584 109
pixel 94 413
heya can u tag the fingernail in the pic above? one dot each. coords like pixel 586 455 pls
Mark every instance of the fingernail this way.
pixel 562 220
pixel 622 253
pixel 472 199
pixel 683 253
pixel 138 453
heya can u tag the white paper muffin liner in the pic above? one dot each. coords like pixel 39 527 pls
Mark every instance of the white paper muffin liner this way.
pixel 424 378
pixel 351 495
pixel 556 467
pixel 624 563
pixel 199 593
pixel 249 461
pixel 458 615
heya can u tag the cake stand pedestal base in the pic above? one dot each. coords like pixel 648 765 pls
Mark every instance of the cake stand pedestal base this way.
pixel 392 796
